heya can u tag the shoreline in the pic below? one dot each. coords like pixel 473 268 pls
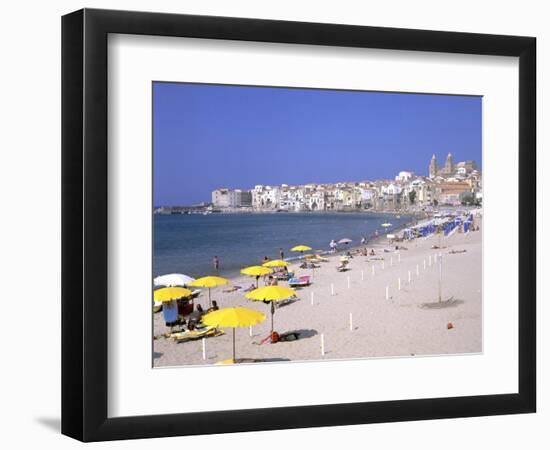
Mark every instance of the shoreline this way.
pixel 357 226
pixel 189 210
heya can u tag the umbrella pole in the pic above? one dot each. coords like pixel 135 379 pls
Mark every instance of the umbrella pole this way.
pixel 234 360
pixel 272 314
pixel 209 300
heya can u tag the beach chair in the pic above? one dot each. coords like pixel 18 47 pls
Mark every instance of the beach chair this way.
pixel 191 335
pixel 343 266
pixel 283 276
pixel 300 282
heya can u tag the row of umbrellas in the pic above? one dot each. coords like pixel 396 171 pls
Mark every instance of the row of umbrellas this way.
pixel 229 317
pixel 233 317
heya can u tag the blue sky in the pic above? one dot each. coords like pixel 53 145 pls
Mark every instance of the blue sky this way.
pixel 210 136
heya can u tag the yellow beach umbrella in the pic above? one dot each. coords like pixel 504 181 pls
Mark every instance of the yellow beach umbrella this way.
pixel 276 263
pixel 233 318
pixel 256 271
pixel 271 294
pixel 171 293
pixel 209 282
pixel 300 248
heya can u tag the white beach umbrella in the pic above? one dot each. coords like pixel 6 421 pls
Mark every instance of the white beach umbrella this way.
pixel 344 241
pixel 173 279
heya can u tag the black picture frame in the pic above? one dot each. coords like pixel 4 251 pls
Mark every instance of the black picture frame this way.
pixel 84 224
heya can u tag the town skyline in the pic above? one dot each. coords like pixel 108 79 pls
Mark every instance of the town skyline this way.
pixel 451 184
pixel 209 136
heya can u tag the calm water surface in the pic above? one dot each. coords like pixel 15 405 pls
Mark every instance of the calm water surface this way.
pixel 187 243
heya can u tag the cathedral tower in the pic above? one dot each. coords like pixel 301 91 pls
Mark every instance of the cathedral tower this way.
pixel 433 167
pixel 449 165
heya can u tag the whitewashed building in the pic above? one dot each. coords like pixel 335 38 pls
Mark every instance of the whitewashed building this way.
pixel 266 197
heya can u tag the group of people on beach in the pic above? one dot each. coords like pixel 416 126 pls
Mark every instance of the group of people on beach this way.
pixel 176 313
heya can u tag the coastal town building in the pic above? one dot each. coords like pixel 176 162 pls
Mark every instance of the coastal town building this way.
pixel 266 197
pixel 453 185
pixel 404 176
pixel 231 198
pixel 450 169
pixel 433 169
pixel 452 193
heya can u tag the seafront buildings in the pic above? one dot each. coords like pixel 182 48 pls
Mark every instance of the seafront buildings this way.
pixel 451 185
pixel 231 198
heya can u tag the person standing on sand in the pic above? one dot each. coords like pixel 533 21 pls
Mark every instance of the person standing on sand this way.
pixel 281 253
pixel 216 263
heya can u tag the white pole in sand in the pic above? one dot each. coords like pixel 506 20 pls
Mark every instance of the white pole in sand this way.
pixel 424 264
pixel 250 330
pixel 322 344
pixel 331 288
pixel 311 298
pixel 440 275
pixel 349 281
pixel 382 265
pixel 350 322
pixel 387 293
pixel 399 284
pixel 430 261
pixel 362 275
pixel 372 271
pixel 409 276
pixel 417 271
pixel 391 261
pixel 203 349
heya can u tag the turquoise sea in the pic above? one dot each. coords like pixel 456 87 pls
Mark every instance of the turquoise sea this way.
pixel 187 243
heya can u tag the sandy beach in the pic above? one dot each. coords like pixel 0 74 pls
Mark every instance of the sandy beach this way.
pixel 410 322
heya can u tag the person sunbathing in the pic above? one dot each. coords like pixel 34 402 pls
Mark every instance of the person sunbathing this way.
pixel 342 267
pixel 214 306
pixel 309 265
pixel 232 289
